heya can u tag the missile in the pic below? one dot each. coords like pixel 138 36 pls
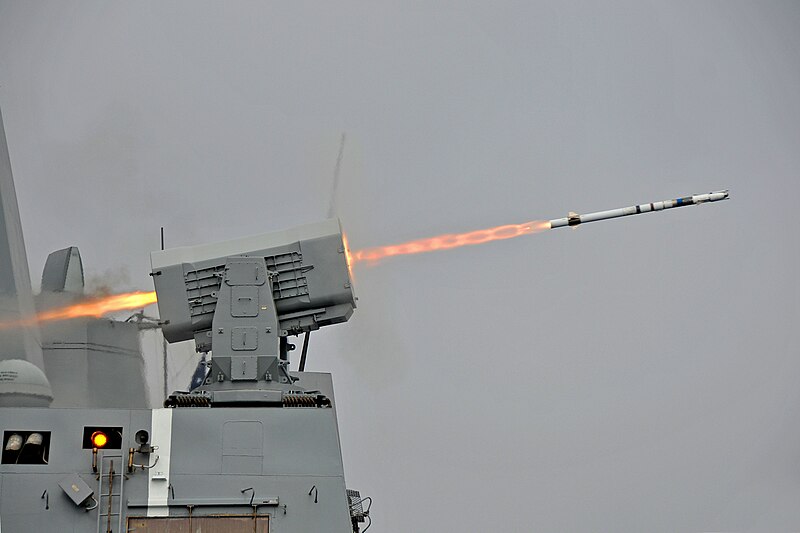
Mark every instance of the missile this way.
pixel 574 219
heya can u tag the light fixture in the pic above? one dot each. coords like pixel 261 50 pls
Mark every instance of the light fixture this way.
pixel 34 439
pixel 99 439
pixel 14 443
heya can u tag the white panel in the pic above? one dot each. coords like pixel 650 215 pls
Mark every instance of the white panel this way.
pixel 158 476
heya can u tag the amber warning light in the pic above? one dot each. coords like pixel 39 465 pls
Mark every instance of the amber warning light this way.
pixel 99 439
pixel 102 438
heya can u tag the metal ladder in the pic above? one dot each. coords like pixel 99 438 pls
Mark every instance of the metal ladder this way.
pixel 110 486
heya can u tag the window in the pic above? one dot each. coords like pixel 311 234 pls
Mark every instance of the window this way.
pixel 26 447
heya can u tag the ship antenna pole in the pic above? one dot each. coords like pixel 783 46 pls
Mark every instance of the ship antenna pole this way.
pixel 164 341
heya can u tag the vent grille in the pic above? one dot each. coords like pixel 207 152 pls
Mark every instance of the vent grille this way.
pixel 286 271
pixel 356 505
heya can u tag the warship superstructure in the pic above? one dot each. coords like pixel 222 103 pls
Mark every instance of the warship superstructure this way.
pixel 254 447
pixel 250 446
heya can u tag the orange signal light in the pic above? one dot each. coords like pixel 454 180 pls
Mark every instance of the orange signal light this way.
pixel 99 439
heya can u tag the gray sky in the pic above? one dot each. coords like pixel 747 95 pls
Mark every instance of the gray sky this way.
pixel 634 375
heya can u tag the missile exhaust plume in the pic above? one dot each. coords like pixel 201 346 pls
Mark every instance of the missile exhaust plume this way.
pixel 448 241
pixel 93 307
pixel 97 307
pixel 445 242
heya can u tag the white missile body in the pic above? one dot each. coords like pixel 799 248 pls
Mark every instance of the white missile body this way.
pixel 575 219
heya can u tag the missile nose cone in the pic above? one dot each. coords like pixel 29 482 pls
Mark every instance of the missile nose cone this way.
pixel 719 195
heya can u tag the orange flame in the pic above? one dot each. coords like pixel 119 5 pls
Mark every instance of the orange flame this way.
pixel 453 240
pixel 94 307
pixel 97 307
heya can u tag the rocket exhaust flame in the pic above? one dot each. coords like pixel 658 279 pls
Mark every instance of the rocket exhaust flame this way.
pixel 97 307
pixel 94 307
pixel 447 241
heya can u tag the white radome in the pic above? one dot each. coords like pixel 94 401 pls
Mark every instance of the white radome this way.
pixel 23 384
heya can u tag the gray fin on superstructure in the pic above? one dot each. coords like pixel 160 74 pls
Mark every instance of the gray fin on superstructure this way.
pixel 16 298
pixel 63 271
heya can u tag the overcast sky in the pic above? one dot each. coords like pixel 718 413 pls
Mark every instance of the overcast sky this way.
pixel 632 375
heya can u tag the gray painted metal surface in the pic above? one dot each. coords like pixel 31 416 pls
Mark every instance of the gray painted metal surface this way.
pixel 223 461
pixel 15 281
pixel 90 362
pixel 242 306
pixel 94 363
pixel 310 280
pixel 63 271
pixel 265 456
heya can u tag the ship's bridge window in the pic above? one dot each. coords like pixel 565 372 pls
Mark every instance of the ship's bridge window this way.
pixel 26 447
